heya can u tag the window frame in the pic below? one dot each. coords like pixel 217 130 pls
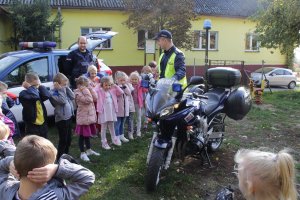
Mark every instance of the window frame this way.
pixel 200 40
pixel 90 30
pixel 251 38
pixel 146 37
pixel 23 65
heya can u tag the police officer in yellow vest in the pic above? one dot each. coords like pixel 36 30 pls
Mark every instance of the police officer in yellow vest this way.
pixel 171 62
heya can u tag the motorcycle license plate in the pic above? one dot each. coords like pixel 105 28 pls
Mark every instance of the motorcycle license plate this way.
pixel 215 135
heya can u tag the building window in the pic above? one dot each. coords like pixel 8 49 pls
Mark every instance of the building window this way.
pixel 104 45
pixel 200 40
pixel 143 36
pixel 252 43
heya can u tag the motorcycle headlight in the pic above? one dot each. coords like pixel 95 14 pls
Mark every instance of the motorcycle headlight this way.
pixel 167 111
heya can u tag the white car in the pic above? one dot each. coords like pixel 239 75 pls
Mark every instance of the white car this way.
pixel 275 76
pixel 44 61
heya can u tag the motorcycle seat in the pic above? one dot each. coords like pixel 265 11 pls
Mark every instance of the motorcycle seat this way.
pixel 214 97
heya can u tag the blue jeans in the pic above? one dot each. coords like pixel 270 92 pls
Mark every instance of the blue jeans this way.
pixel 119 126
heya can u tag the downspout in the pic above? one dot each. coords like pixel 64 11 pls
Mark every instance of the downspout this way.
pixel 59 28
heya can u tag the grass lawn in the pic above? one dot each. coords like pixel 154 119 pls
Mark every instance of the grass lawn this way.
pixel 120 172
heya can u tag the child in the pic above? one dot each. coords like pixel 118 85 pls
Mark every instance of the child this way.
pixel 94 80
pixel 7 122
pixel 123 105
pixel 37 177
pixel 131 113
pixel 7 103
pixel 265 175
pixel 34 111
pixel 61 98
pixel 107 108
pixel 153 66
pixel 137 99
pixel 85 116
pixel 4 131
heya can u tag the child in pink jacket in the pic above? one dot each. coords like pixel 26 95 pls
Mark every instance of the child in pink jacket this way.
pixel 86 116
pixel 137 99
pixel 107 108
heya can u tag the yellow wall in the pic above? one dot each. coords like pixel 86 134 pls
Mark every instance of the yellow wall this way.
pixel 231 42
pixel 5 33
pixel 231 39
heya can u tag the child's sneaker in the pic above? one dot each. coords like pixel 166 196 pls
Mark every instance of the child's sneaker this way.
pixel 123 138
pixel 91 152
pixel 84 157
pixel 130 136
pixel 117 141
pixel 139 134
pixel 105 146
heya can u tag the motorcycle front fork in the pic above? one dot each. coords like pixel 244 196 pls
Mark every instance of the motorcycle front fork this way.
pixel 169 153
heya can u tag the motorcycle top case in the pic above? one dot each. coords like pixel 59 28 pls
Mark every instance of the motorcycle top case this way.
pixel 238 104
pixel 224 77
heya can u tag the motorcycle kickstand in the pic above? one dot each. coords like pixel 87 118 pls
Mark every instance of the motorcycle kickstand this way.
pixel 207 157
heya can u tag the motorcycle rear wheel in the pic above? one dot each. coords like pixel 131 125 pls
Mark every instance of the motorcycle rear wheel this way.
pixel 154 168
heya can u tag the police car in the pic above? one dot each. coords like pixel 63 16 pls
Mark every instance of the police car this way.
pixel 43 59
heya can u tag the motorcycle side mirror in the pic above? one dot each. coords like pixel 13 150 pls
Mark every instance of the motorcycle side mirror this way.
pixel 176 87
pixel 145 83
pixel 195 80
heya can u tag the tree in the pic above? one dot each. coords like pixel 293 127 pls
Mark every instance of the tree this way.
pixel 156 15
pixel 31 21
pixel 278 25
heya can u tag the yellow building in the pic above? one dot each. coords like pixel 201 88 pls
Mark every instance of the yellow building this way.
pixel 231 36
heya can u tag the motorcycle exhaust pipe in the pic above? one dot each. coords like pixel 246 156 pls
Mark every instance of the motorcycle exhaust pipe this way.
pixel 151 147
pixel 170 153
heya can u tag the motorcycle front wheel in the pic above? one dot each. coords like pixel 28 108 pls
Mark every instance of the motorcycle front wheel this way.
pixel 154 168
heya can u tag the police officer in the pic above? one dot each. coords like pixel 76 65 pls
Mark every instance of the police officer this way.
pixel 78 61
pixel 171 62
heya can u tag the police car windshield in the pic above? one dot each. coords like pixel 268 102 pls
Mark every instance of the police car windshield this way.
pixel 6 61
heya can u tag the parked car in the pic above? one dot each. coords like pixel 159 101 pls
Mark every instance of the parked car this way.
pixel 46 62
pixel 275 76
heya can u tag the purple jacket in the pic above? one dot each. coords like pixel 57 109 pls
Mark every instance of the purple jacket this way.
pixel 115 91
pixel 86 113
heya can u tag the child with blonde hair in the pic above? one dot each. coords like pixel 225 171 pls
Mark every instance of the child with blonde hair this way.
pixel 7 103
pixel 107 108
pixel 61 99
pixel 86 116
pixel 9 128
pixel 138 99
pixel 123 104
pixel 265 175
pixel 94 80
pixel 4 131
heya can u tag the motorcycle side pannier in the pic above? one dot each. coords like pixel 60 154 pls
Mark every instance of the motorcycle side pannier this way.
pixel 238 104
pixel 223 77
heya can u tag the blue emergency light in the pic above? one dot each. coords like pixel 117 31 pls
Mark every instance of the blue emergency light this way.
pixel 40 45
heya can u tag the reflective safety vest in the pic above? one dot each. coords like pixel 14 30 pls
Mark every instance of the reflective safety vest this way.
pixel 170 69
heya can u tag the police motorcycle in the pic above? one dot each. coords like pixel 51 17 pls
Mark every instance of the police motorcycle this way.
pixel 192 122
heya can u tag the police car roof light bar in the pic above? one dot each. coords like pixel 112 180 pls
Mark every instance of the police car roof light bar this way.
pixel 38 45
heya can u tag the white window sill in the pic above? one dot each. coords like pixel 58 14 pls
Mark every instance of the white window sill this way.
pixel 252 51
pixel 194 49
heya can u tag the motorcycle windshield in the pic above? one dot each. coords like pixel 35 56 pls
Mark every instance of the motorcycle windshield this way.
pixel 160 97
